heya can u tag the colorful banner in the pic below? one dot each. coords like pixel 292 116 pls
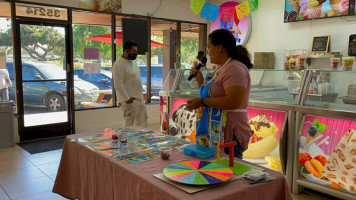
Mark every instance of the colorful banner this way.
pixel 327 152
pixel 227 19
pixel 253 5
pixel 196 5
pixel 210 11
pixel 242 10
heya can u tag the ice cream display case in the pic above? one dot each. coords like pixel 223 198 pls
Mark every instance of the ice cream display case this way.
pixel 325 139
pixel 270 112
pixel 176 120
pixel 272 98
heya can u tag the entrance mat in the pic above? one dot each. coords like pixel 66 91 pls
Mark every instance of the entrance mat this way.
pixel 43 145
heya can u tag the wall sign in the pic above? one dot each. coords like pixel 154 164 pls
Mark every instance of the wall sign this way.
pixel 41 12
pixel 321 44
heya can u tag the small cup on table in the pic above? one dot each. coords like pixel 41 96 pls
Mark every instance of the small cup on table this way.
pixel 165 152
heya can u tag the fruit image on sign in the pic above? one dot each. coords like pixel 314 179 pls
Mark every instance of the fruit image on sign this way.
pixel 263 140
pixel 263 148
pixel 327 152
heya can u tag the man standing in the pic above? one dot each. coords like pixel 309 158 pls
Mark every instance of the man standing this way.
pixel 4 83
pixel 128 86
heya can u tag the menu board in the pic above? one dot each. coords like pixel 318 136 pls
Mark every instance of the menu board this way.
pixel 320 44
pixel 298 10
pixel 327 150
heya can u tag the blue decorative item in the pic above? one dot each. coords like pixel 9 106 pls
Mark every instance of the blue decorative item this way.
pixel 199 151
pixel 210 11
pixel 312 130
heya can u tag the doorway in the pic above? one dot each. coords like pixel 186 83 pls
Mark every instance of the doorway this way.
pixel 43 80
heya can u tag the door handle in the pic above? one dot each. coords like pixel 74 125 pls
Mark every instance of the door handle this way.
pixel 68 67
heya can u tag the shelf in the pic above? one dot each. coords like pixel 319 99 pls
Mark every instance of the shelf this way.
pixel 330 55
pixel 319 97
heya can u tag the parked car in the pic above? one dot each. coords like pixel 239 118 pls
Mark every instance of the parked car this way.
pixel 103 80
pixel 156 77
pixel 49 93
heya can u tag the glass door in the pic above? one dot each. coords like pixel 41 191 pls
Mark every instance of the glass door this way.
pixel 43 71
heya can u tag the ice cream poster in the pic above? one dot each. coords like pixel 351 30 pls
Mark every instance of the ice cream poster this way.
pixel 327 152
pixel 268 125
pixel 227 19
pixel 296 10
pixel 182 121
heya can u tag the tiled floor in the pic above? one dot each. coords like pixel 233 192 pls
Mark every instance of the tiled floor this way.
pixel 25 176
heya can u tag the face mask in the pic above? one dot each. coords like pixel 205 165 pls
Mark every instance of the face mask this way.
pixel 133 56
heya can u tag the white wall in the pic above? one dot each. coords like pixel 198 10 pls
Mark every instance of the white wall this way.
pixel 270 33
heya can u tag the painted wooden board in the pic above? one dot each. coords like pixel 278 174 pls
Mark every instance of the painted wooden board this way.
pixel 196 172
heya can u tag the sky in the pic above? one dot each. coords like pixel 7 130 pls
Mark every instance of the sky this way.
pixel 4 24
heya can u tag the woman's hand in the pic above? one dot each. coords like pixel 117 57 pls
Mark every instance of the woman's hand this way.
pixel 199 75
pixel 193 104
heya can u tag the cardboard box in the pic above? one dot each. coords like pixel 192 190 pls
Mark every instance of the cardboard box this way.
pixel 263 60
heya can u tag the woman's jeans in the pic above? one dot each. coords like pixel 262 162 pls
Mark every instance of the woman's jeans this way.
pixel 237 149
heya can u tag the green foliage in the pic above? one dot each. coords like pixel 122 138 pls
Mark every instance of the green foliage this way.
pixel 189 49
pixel 321 126
pixel 6 38
pixel 40 41
pixel 85 31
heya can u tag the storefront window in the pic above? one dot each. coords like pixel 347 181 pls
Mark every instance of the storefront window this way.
pixel 163 48
pixel 6 44
pixel 141 57
pixel 189 44
pixel 93 57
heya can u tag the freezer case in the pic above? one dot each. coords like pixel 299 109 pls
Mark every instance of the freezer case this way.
pixel 271 97
pixel 270 114
pixel 325 143
pixel 176 120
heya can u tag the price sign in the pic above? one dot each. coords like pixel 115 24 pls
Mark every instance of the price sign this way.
pixel 321 44
pixel 41 12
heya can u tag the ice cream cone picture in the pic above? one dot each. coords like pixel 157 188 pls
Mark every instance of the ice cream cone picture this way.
pixel 335 4
pixel 314 132
pixel 315 11
pixel 295 4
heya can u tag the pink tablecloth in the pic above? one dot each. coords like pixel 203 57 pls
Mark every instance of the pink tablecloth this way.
pixel 88 175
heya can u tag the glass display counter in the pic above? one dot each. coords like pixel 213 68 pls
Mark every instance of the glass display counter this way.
pixel 271 99
pixel 325 139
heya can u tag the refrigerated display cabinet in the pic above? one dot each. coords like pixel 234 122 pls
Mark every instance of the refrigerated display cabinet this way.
pixel 271 101
pixel 325 139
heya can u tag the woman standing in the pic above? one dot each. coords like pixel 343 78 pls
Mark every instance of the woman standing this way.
pixel 224 93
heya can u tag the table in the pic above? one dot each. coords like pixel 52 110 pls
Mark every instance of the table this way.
pixel 89 175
